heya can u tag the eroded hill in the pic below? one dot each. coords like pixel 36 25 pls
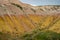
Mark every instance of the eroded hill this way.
pixel 18 18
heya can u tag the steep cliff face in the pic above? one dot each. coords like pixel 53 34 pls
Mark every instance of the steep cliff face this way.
pixel 17 17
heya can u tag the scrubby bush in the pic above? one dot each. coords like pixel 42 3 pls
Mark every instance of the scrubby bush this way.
pixel 4 36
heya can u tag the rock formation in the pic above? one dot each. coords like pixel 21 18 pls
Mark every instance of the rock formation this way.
pixel 18 18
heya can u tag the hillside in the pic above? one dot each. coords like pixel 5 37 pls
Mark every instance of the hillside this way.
pixel 17 18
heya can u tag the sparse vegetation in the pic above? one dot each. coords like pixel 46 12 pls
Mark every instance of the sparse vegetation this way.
pixel 48 35
pixel 4 36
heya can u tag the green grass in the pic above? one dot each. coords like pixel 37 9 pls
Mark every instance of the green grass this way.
pixel 35 35
pixel 48 35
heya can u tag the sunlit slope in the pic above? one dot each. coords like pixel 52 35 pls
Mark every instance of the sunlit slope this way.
pixel 55 26
pixel 21 24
